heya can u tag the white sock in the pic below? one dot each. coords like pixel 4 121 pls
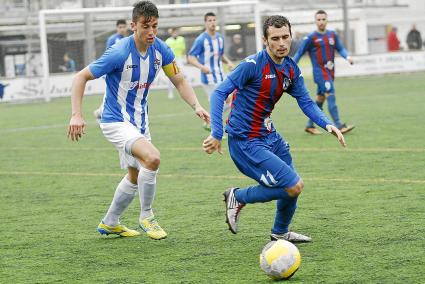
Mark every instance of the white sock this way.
pixel 147 186
pixel 123 196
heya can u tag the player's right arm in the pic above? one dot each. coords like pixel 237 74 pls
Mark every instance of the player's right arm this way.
pixel 302 49
pixel 194 61
pixel 108 62
pixel 213 142
pixel 236 80
pixel 77 124
pixel 196 51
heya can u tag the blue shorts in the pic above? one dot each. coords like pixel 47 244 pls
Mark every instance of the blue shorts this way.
pixel 324 86
pixel 266 160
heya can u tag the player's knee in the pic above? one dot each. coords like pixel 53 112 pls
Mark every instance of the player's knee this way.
pixel 295 190
pixel 152 160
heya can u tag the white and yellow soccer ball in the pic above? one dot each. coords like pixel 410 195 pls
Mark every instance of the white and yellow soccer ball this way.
pixel 280 259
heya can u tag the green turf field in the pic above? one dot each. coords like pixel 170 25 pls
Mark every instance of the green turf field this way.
pixel 364 206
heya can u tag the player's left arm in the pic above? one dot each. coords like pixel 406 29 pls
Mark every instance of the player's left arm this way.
pixel 185 90
pixel 173 72
pixel 341 49
pixel 310 108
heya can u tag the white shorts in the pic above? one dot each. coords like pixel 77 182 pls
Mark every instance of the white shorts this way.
pixel 120 134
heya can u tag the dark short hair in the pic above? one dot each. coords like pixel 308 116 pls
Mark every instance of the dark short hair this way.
pixel 121 22
pixel 145 9
pixel 276 21
pixel 320 12
pixel 209 14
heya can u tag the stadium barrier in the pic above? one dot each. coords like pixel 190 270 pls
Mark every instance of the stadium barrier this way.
pixel 385 63
pixel 25 89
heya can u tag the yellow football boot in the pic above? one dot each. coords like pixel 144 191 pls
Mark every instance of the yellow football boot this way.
pixel 152 228
pixel 119 230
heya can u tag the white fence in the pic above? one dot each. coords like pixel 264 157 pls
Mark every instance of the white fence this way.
pixel 60 85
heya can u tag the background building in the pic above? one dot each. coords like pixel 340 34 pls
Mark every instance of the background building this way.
pixel 362 24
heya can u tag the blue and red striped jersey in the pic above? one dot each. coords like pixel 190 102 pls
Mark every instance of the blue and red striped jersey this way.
pixel 258 83
pixel 321 49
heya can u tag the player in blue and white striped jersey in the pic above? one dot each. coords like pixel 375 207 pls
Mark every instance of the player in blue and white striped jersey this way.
pixel 131 66
pixel 121 27
pixel 207 54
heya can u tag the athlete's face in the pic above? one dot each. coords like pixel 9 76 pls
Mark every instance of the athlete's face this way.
pixel 321 22
pixel 210 24
pixel 122 29
pixel 145 31
pixel 278 42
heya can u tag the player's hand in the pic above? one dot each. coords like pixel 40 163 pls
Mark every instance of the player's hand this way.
pixel 335 131
pixel 76 127
pixel 350 60
pixel 211 145
pixel 205 69
pixel 203 114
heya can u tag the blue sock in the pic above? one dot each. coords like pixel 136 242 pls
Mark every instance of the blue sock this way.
pixel 260 193
pixel 284 213
pixel 333 110
pixel 286 205
pixel 310 122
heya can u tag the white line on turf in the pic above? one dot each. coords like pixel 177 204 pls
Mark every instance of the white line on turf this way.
pixel 237 177
pixel 64 126
pixel 74 147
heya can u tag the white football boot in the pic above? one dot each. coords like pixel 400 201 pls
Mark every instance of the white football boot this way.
pixel 233 209
pixel 291 237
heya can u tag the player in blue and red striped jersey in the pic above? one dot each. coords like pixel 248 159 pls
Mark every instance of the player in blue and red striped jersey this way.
pixel 321 45
pixel 254 145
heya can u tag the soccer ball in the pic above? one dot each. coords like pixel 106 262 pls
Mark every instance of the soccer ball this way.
pixel 280 259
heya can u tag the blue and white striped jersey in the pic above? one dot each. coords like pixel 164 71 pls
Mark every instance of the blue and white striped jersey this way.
pixel 128 78
pixel 209 52
pixel 113 39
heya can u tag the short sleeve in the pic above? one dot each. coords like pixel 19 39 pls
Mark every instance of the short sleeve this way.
pixel 197 47
pixel 111 60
